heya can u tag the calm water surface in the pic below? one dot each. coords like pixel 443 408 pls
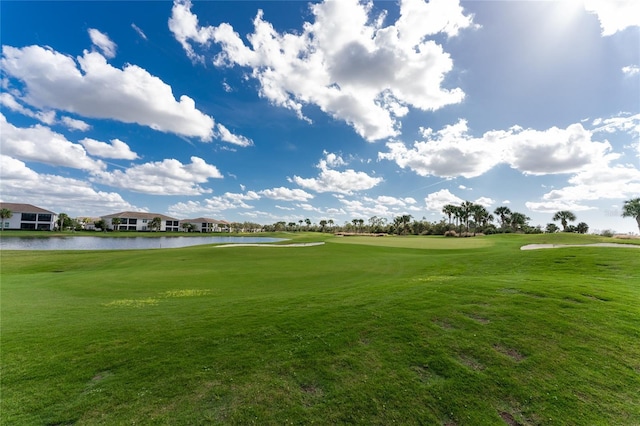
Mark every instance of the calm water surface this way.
pixel 122 243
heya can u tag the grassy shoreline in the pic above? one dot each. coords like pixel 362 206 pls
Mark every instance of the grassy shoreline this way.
pixel 345 332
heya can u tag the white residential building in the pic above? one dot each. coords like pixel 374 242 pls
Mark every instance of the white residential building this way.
pixel 28 217
pixel 139 221
pixel 205 224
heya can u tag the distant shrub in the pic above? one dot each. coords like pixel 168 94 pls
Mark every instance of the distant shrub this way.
pixel 451 234
pixel 607 233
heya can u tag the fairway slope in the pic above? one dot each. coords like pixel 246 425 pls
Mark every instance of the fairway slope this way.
pixel 334 334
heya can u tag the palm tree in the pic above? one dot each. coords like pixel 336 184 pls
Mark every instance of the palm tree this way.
pixel 405 219
pixel 582 228
pixel 466 209
pixel 63 218
pixel 503 212
pixel 308 222
pixel 487 219
pixel 551 228
pixel 564 216
pixel 323 224
pixel 101 225
pixel 518 220
pixel 457 214
pixel 631 208
pixel 480 215
pixel 400 223
pixel 5 214
pixel 115 222
pixel 155 224
pixel 448 210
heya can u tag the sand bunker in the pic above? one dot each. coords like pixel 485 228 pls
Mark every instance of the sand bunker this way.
pixel 273 245
pixel 548 246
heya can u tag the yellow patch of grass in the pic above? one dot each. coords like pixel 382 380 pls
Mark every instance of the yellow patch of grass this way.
pixel 185 293
pixel 133 303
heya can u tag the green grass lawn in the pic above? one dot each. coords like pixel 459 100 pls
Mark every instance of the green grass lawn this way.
pixel 415 330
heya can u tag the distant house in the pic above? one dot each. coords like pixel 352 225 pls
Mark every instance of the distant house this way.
pixel 27 216
pixel 88 223
pixel 205 224
pixel 139 221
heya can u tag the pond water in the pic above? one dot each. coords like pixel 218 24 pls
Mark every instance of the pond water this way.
pixel 121 243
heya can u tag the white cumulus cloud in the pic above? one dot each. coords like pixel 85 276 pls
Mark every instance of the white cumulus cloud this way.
pixel 614 15
pixel 47 117
pixel 213 205
pixel 631 70
pixel 449 152
pixel 344 61
pixel 453 151
pixel 167 177
pixel 103 43
pixel 342 182
pixel 116 149
pixel 75 124
pixel 20 184
pixel 41 144
pixel 225 135
pixel 90 87
pixel 485 201
pixel 286 194
pixel 608 182
pixel 437 200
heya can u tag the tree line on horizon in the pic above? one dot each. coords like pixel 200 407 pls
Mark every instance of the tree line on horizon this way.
pixel 465 219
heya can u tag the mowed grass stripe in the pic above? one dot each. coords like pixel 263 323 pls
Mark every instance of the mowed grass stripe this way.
pixel 339 333
pixel 419 242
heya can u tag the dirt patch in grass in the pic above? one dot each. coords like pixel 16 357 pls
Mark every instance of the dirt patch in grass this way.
pixel 100 376
pixel 471 362
pixel 592 297
pixel 425 374
pixel 311 394
pixel 443 323
pixel 478 318
pixel 311 390
pixel 509 419
pixel 510 352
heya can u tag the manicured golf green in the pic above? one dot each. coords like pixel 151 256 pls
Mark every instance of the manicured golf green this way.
pixel 416 330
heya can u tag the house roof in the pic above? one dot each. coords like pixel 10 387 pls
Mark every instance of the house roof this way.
pixel 205 220
pixel 23 208
pixel 138 215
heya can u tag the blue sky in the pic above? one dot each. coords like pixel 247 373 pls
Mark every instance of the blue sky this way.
pixel 280 111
